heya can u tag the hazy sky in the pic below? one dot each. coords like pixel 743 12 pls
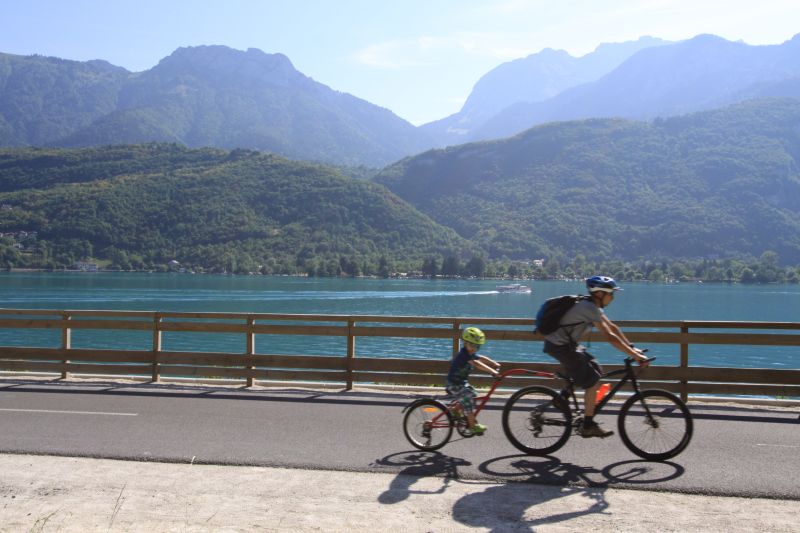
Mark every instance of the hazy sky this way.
pixel 419 58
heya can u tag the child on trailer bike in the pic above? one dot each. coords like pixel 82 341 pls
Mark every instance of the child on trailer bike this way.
pixel 578 364
pixel 457 385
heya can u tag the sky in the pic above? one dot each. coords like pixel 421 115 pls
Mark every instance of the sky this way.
pixel 418 58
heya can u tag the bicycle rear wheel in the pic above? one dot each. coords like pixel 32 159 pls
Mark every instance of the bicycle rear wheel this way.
pixel 427 424
pixel 655 425
pixel 537 420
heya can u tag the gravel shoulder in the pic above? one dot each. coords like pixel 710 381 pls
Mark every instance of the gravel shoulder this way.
pixel 46 493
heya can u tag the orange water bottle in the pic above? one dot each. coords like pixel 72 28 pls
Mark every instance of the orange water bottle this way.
pixel 604 388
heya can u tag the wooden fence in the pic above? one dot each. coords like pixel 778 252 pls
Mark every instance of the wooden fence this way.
pixel 154 363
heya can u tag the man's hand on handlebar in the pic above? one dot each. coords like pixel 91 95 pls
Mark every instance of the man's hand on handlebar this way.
pixel 640 357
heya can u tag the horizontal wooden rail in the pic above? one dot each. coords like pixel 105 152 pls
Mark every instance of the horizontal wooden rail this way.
pixel 151 361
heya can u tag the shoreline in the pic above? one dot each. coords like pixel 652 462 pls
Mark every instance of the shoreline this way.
pixel 435 278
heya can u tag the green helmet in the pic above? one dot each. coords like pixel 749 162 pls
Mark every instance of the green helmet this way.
pixel 474 336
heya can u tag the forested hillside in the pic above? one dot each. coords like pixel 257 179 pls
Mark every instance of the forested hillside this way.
pixel 721 183
pixel 46 98
pixel 143 206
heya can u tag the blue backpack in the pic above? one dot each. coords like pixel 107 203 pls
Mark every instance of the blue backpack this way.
pixel 549 315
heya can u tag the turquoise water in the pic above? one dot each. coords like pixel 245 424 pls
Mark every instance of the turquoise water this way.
pixel 462 298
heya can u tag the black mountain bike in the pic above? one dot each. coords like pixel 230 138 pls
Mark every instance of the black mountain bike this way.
pixel 653 424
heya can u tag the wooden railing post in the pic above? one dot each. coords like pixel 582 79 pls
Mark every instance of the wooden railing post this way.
pixel 156 347
pixel 456 337
pixel 684 364
pixel 351 352
pixel 66 340
pixel 251 348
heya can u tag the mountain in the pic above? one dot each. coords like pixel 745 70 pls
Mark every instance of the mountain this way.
pixel 198 96
pixel 45 98
pixel 706 72
pixel 225 210
pixel 535 78
pixel 717 183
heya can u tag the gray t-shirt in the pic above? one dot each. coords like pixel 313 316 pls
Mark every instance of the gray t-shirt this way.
pixel 580 317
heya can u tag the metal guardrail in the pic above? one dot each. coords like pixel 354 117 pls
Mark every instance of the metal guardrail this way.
pixel 155 363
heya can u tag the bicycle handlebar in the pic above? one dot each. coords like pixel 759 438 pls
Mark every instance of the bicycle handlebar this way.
pixel 629 360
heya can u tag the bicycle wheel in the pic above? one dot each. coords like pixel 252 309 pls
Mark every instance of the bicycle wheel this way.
pixel 662 433
pixel 537 420
pixel 427 425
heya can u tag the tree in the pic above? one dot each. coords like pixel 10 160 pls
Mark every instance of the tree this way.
pixel 476 267
pixel 430 267
pixel 383 267
pixel 451 266
pixel 513 270
pixel 747 276
pixel 552 268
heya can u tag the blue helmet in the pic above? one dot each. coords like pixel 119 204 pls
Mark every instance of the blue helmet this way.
pixel 602 283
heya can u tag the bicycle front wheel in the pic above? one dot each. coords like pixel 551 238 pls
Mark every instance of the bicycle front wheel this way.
pixel 537 420
pixel 655 425
pixel 427 425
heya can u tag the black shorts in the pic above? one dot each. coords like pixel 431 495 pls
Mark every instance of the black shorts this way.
pixel 577 363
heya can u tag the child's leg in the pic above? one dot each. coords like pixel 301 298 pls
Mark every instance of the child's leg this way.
pixel 468 403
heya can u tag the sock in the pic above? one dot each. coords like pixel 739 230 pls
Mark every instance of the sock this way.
pixel 588 420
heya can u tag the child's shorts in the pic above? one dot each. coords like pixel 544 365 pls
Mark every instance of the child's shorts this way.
pixel 464 394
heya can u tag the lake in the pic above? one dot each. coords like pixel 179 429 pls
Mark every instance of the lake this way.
pixel 462 298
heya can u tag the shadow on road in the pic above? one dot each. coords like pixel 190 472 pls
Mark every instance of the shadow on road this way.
pixel 525 482
pixel 527 478
pixel 417 465
pixel 550 470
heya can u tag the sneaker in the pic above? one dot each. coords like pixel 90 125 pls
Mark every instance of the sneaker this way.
pixel 478 429
pixel 594 430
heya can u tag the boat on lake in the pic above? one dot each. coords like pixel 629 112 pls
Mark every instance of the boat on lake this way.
pixel 514 287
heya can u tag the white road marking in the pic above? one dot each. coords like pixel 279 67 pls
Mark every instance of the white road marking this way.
pixel 69 412
pixel 779 445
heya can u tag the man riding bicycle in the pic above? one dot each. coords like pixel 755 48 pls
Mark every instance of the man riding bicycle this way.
pixel 579 364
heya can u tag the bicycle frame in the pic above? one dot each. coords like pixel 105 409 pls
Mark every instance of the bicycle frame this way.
pixel 481 400
pixel 628 375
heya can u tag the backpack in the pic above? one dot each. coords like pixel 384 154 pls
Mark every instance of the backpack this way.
pixel 553 310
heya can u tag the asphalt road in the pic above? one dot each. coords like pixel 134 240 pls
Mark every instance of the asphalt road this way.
pixel 735 451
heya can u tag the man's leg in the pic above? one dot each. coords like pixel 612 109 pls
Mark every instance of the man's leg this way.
pixel 589 397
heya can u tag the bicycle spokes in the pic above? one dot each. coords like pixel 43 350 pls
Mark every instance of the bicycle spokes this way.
pixel 535 421
pixel 427 425
pixel 655 424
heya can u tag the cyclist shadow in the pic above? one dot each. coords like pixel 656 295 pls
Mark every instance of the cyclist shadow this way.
pixel 535 481
pixel 418 465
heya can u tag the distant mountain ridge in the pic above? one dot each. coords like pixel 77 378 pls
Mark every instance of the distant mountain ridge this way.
pixel 705 72
pixel 198 96
pixel 535 78
pixel 220 97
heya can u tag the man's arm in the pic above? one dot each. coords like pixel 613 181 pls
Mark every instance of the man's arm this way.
pixel 617 331
pixel 620 342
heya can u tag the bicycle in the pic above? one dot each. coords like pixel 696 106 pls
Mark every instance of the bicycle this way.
pixel 429 422
pixel 653 424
